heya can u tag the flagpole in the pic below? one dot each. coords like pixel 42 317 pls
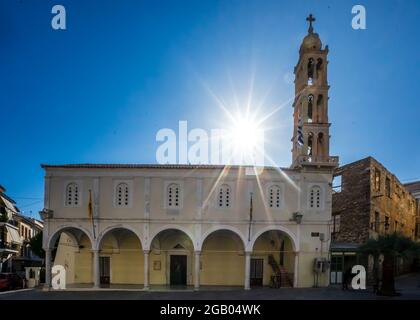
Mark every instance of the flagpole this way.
pixel 90 208
pixel 250 217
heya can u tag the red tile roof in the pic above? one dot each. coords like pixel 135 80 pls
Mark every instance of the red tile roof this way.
pixel 144 166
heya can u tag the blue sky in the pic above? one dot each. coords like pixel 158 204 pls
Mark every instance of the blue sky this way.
pixel 100 90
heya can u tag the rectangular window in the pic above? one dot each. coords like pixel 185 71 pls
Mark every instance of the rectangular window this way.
pixel 377 180
pixel 388 187
pixel 336 184
pixel 376 222
pixel 386 224
pixel 336 223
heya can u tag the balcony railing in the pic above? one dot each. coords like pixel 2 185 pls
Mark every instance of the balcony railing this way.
pixel 7 246
pixel 319 161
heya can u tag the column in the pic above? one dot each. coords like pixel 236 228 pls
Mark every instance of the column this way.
pixel 146 269
pixel 197 270
pixel 96 275
pixel 247 270
pixel 48 268
pixel 296 270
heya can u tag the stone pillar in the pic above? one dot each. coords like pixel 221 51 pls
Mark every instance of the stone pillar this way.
pixel 96 275
pixel 146 269
pixel 247 270
pixel 48 268
pixel 296 270
pixel 197 270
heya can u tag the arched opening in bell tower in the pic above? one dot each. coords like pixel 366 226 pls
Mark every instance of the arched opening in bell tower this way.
pixel 319 70
pixel 319 111
pixel 310 107
pixel 320 146
pixel 310 143
pixel 311 69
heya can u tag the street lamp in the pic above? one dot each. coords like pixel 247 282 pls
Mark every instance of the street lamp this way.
pixel 46 214
pixel 297 216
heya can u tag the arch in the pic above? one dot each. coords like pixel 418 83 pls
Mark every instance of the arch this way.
pixel 170 227
pixel 319 69
pixel 310 68
pixel 109 229
pixel 221 228
pixel 319 108
pixel 310 110
pixel 255 237
pixel 320 144
pixel 54 236
pixel 310 144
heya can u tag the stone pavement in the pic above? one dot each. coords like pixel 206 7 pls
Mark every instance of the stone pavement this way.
pixel 408 286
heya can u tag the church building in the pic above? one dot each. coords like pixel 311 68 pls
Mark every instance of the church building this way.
pixel 151 225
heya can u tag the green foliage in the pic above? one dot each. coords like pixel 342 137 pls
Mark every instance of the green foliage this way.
pixel 390 246
pixel 36 245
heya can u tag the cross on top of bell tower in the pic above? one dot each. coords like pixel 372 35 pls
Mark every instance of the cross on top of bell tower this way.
pixel 311 19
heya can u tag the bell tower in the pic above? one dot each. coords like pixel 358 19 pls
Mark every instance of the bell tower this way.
pixel 311 138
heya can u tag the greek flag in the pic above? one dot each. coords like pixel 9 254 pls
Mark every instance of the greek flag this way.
pixel 299 132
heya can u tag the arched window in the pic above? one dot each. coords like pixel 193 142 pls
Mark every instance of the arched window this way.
pixel 224 196
pixel 173 196
pixel 311 65
pixel 319 110
pixel 310 143
pixel 122 195
pixel 319 69
pixel 315 197
pixel 274 196
pixel 320 142
pixel 72 194
pixel 310 107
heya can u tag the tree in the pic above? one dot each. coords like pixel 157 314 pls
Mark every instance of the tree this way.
pixel 36 245
pixel 390 246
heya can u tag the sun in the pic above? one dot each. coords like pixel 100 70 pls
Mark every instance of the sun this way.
pixel 246 138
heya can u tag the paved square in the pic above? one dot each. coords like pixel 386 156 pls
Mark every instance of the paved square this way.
pixel 408 286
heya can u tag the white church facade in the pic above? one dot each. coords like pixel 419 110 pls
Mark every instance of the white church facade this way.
pixel 201 225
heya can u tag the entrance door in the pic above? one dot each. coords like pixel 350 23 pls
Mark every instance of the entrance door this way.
pixel 257 272
pixel 104 270
pixel 178 270
pixel 336 269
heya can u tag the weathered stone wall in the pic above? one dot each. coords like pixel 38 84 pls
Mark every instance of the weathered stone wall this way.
pixel 352 203
pixel 397 206
pixel 366 205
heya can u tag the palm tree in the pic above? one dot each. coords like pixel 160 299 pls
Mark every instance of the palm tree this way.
pixel 390 246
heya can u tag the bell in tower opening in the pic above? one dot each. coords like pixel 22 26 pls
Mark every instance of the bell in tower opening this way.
pixel 311 136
